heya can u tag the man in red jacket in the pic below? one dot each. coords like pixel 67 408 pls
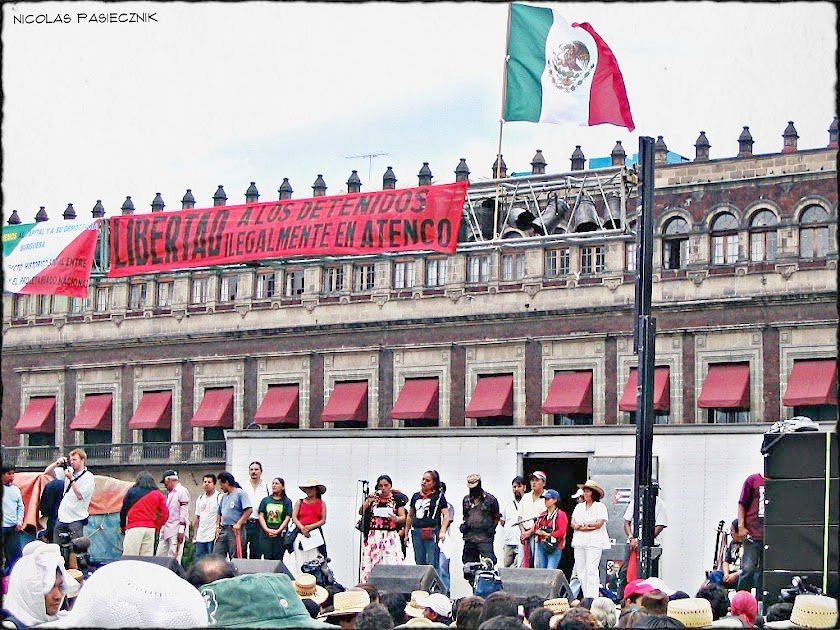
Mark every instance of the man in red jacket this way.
pixel 143 513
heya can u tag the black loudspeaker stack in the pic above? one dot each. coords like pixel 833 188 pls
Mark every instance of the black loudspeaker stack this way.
pixel 794 518
pixel 163 561
pixel 405 578
pixel 247 566
pixel 544 583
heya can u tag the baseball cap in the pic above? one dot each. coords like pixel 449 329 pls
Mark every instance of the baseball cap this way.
pixel 578 493
pixel 539 475
pixel 473 480
pixel 551 494
pixel 438 602
pixel 637 587
pixel 168 473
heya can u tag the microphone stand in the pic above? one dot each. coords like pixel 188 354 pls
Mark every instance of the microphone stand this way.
pixel 362 534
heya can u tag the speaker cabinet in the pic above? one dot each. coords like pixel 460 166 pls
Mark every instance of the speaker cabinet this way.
pixel 799 455
pixel 246 566
pixel 774 581
pixel 798 547
pixel 545 583
pixel 799 501
pixel 170 563
pixel 405 578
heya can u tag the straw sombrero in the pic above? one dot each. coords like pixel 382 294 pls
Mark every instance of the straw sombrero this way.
pixel 595 487
pixel 810 611
pixel 312 482
pixel 349 602
pixel 694 612
pixel 412 608
pixel 306 587
pixel 558 605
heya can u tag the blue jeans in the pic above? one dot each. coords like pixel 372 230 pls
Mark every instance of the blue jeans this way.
pixel 546 561
pixel 425 551
pixel 203 549
pixel 444 572
pixel 11 547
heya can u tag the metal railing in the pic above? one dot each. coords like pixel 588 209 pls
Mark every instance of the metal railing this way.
pixel 137 453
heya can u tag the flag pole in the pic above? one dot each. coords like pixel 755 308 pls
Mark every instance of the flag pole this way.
pixel 501 125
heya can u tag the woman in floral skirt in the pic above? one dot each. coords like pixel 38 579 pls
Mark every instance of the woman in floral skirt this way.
pixel 384 515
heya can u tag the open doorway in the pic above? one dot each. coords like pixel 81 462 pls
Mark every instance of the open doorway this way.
pixel 564 475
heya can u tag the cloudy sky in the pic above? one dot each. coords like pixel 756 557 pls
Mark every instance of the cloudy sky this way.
pixel 213 94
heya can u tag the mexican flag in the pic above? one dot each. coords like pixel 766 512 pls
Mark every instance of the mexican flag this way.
pixel 561 72
pixel 49 258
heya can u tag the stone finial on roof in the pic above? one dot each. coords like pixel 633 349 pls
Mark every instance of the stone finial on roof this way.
pixel 252 195
pixel 14 219
pixel 69 212
pixel 618 154
pixel 389 180
pixel 832 134
pixel 462 171
pixel 128 206
pixel 701 148
pixel 98 210
pixel 319 187
pixel 538 163
pixel 578 159
pixel 354 184
pixel 188 201
pixel 157 203
pixel 285 189
pixel 41 215
pixel 789 137
pixel 424 177
pixel 499 167
pixel 219 197
pixel 745 143
pixel 660 151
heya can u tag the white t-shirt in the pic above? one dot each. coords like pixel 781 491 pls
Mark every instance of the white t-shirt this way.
pixel 529 508
pixel 255 494
pixel 206 509
pixel 597 538
pixel 72 509
pixel 661 516
pixel 510 515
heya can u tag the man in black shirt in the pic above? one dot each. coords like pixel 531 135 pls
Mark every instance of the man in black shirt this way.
pixel 481 515
pixel 48 504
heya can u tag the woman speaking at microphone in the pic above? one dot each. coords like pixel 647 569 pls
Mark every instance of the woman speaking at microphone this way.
pixel 385 514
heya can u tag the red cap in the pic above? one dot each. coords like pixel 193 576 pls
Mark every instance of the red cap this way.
pixel 637 587
pixel 743 603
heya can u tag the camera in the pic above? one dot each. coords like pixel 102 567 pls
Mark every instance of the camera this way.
pixel 75 551
pixel 471 569
pixel 798 586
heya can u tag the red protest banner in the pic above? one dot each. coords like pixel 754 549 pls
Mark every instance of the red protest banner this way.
pixel 411 219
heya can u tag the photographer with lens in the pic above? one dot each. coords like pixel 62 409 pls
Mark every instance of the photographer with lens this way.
pixel 79 485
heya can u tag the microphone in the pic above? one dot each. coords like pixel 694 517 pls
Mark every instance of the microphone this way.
pixel 363 481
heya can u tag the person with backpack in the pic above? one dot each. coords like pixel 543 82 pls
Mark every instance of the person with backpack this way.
pixel 550 530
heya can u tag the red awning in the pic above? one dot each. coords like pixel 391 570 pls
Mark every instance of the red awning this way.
pixel 493 396
pixel 661 390
pixel 280 405
pixel 727 386
pixel 95 413
pixel 215 410
pixel 153 412
pixel 418 400
pixel 812 382
pixel 38 417
pixel 348 402
pixel 570 392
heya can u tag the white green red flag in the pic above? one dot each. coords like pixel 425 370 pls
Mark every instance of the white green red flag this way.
pixel 49 258
pixel 561 72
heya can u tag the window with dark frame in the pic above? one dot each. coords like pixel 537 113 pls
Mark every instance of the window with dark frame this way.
pixel 294 282
pixel 675 244
pixel 592 259
pixel 763 236
pixel 165 291
pixel 364 277
pixel 557 262
pixel 198 291
pixel 813 232
pixel 333 279
pixel 137 295
pixel 228 288
pixel 265 285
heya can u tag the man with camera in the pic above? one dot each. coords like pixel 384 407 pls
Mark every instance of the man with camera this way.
pixel 481 515
pixel 79 485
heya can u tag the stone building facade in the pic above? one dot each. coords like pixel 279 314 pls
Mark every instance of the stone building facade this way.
pixel 531 331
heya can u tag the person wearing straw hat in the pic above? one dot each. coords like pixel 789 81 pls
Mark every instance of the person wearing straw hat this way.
pixel 413 607
pixel 306 588
pixel 692 612
pixel 589 522
pixel 809 611
pixel 309 515
pixel 346 605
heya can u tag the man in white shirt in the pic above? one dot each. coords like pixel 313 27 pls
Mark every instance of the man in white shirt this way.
pixel 530 507
pixel 661 522
pixel 257 490
pixel 79 485
pixel 206 508
pixel 512 556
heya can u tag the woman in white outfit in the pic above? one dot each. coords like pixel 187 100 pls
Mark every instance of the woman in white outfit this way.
pixel 589 522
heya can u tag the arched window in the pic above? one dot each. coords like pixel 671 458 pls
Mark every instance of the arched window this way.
pixel 763 236
pixel 813 232
pixel 675 244
pixel 724 239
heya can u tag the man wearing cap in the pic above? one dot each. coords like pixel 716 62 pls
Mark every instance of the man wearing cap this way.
pixel 530 507
pixel 234 510
pixel 436 607
pixel 174 532
pixel 481 515
pixel 513 547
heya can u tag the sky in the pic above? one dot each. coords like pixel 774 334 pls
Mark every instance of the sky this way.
pixel 229 93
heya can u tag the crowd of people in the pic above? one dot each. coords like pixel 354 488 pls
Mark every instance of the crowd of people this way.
pixel 258 520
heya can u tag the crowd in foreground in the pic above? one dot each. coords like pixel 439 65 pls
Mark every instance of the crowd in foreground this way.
pixel 139 594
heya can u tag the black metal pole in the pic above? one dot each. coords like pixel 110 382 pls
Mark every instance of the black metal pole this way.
pixel 644 492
